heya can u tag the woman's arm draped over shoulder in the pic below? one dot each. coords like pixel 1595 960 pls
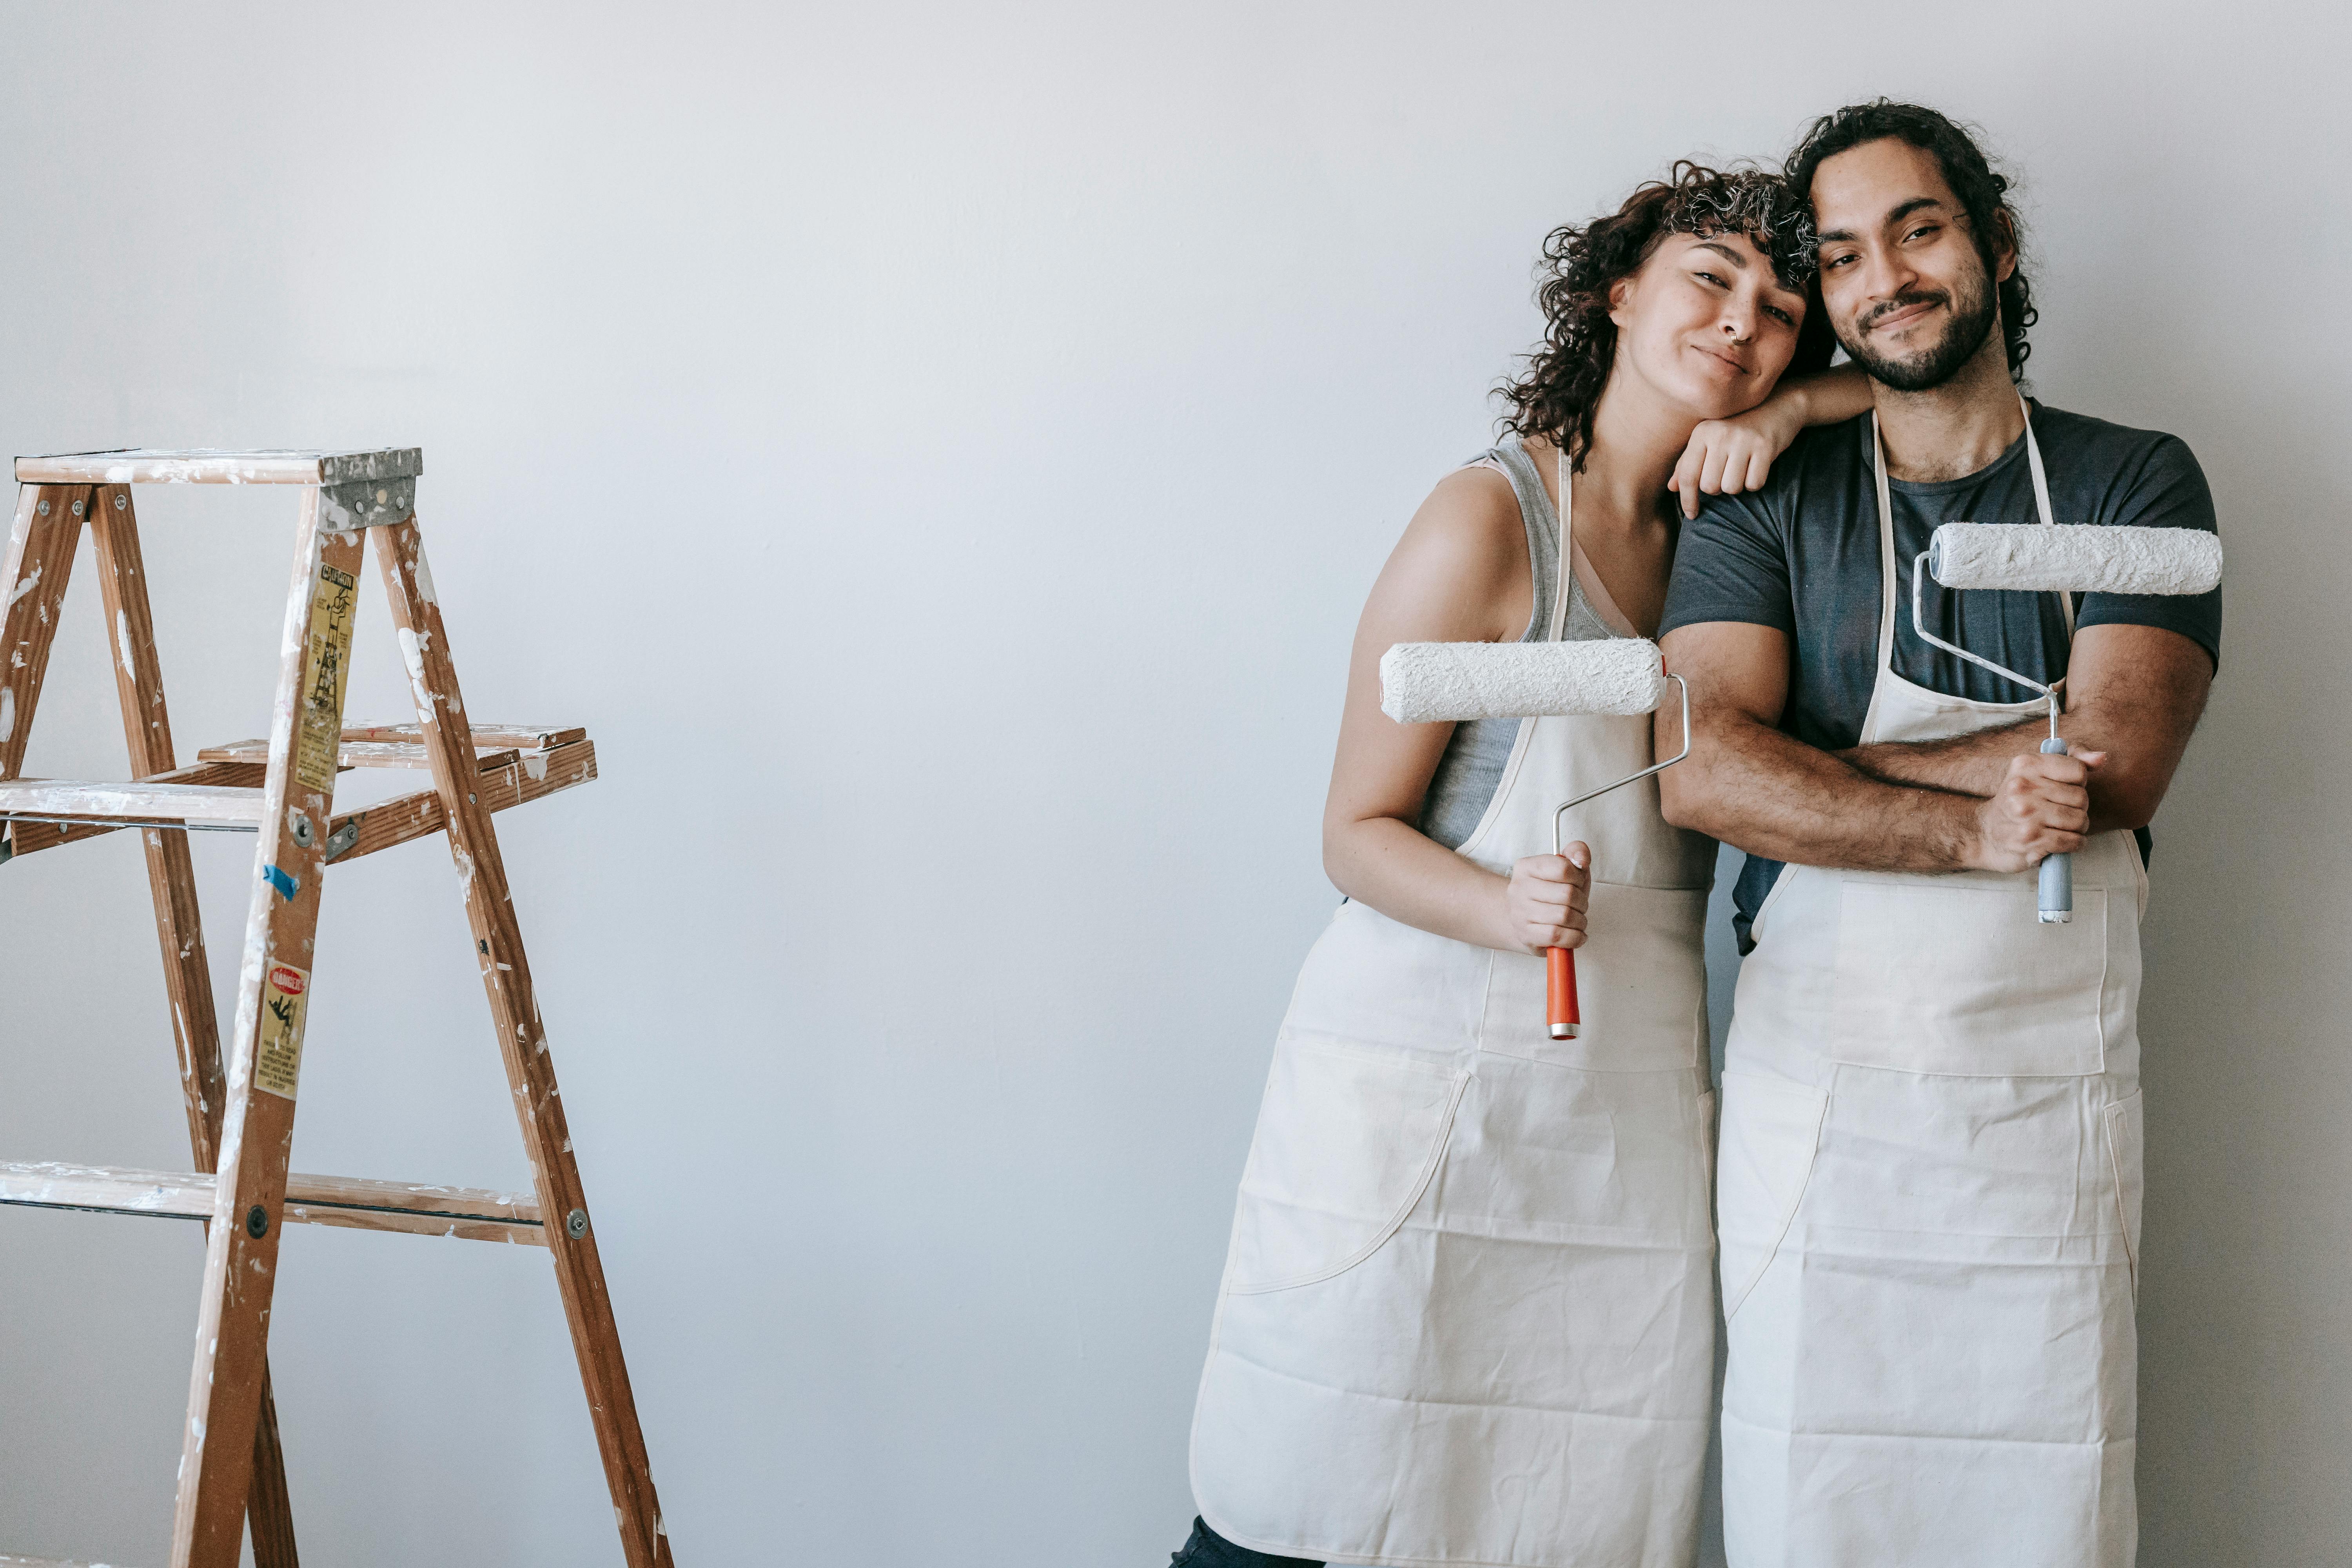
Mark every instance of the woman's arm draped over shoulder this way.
pixel 1460 574
pixel 1728 456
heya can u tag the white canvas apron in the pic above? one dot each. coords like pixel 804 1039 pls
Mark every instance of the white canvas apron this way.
pixel 1930 1197
pixel 1466 1316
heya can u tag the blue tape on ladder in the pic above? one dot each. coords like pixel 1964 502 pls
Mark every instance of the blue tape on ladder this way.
pixel 286 886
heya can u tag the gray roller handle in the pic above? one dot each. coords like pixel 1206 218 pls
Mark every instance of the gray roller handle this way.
pixel 2057 870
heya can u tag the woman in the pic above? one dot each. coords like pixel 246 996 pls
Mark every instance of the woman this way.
pixel 1468 1316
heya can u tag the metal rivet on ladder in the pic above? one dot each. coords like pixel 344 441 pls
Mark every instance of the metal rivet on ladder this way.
pixel 76 509
pixel 575 1224
pixel 303 831
pixel 122 501
pixel 256 1222
pixel 45 509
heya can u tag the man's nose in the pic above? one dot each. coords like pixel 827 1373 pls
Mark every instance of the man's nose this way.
pixel 1888 274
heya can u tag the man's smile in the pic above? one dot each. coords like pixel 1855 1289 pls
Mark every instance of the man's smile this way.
pixel 1904 315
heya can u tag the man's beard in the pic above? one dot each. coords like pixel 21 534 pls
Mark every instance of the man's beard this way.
pixel 1973 315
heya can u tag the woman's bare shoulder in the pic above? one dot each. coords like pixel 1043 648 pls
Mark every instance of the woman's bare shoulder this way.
pixel 1472 511
pixel 1462 561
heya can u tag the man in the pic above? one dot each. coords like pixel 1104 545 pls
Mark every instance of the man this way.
pixel 1930 1160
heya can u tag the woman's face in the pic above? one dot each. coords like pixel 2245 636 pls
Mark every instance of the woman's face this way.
pixel 1704 324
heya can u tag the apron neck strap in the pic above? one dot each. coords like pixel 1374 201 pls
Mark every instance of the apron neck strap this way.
pixel 1886 569
pixel 1886 593
pixel 2033 462
pixel 2041 499
pixel 1567 563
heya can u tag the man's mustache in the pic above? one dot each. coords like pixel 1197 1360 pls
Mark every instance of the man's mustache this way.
pixel 1902 302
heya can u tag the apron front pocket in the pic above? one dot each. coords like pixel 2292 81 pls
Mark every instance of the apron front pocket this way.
pixel 1955 977
pixel 1770 1132
pixel 2125 1141
pixel 1346 1141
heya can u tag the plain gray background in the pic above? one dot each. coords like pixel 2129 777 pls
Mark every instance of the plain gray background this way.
pixel 940 452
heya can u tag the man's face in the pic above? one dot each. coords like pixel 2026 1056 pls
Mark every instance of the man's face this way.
pixel 1906 293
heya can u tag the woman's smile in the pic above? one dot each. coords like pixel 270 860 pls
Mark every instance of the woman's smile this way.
pixel 1725 364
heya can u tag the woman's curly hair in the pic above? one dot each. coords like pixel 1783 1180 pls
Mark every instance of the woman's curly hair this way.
pixel 1555 399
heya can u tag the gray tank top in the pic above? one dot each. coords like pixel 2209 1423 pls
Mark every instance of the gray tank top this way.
pixel 1471 771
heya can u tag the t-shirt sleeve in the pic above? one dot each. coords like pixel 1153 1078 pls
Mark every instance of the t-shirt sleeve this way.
pixel 1730 564
pixel 2168 490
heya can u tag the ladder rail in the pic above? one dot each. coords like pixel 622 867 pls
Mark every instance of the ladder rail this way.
pixel 180 936
pixel 523 1044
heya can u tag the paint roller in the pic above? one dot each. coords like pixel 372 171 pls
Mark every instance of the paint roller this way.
pixel 2043 558
pixel 1429 682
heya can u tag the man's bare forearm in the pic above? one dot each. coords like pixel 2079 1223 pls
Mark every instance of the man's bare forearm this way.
pixel 2135 694
pixel 1757 789
pixel 2124 793
pixel 1962 764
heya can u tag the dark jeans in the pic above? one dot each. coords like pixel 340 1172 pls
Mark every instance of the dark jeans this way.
pixel 1207 1549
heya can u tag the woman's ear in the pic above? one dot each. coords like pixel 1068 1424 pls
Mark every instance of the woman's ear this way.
pixel 1621 294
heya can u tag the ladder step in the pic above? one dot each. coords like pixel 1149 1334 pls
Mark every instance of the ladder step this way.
pixel 153 466
pixel 25 837
pixel 396 821
pixel 468 1213
pixel 107 801
pixel 522 737
pixel 361 753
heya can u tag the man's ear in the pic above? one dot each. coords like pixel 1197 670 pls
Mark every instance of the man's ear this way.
pixel 2004 245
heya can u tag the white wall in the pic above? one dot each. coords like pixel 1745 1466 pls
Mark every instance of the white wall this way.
pixel 940 452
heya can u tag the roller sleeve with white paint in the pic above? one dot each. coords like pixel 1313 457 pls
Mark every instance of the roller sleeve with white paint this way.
pixel 2078 558
pixel 1426 682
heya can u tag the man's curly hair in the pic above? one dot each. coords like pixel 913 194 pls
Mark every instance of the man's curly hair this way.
pixel 1555 399
pixel 1984 191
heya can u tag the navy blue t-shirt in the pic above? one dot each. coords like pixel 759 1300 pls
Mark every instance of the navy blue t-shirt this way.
pixel 1801 555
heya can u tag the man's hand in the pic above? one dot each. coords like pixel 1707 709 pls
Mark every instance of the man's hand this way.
pixel 2042 808
pixel 1726 457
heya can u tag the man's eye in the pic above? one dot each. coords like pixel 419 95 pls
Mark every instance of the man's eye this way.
pixel 1835 261
pixel 1711 277
pixel 1928 229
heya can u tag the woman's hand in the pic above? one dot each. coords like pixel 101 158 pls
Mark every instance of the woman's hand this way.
pixel 1726 457
pixel 1543 903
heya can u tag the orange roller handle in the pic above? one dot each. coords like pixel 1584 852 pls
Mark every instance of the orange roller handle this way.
pixel 1559 994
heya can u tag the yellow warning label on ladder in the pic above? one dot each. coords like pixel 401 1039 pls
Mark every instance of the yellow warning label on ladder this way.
pixel 277 1062
pixel 326 671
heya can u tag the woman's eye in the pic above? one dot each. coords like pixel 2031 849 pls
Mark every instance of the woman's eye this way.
pixel 1711 277
pixel 1779 315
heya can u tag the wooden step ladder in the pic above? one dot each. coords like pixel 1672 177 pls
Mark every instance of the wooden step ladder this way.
pixel 241 1124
